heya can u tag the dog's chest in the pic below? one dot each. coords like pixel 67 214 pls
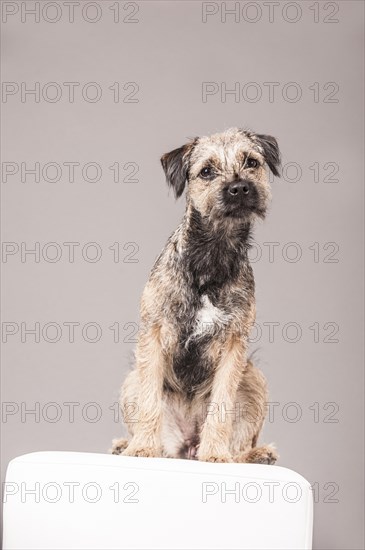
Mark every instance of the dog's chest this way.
pixel 192 363
pixel 208 318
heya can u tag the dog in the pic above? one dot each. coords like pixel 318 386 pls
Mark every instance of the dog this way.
pixel 193 392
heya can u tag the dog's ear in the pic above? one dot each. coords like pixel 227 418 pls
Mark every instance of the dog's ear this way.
pixel 271 152
pixel 176 167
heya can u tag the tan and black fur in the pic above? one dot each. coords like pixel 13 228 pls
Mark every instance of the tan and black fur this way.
pixel 195 393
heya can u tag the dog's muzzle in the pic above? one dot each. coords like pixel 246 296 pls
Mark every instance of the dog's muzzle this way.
pixel 241 197
pixel 239 188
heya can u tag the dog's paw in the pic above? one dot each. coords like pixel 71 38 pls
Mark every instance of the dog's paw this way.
pixel 262 455
pixel 213 455
pixel 147 452
pixel 210 458
pixel 118 446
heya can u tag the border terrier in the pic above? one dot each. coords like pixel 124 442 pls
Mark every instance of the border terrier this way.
pixel 195 392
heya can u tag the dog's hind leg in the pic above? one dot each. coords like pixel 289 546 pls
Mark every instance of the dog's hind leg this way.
pixel 147 394
pixel 129 408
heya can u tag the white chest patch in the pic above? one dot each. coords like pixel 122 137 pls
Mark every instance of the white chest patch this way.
pixel 208 317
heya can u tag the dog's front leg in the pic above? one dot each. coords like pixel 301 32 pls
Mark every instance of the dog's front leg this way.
pixel 150 368
pixel 217 429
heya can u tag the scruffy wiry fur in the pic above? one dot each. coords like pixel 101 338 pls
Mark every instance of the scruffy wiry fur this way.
pixel 193 393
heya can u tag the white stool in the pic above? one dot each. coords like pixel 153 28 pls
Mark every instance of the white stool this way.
pixel 66 500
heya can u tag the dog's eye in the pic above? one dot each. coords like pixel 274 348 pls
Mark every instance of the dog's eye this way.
pixel 251 163
pixel 206 172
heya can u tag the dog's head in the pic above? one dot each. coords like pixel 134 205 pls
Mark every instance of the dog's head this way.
pixel 225 173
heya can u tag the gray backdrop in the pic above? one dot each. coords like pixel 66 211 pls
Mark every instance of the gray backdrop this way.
pixel 115 85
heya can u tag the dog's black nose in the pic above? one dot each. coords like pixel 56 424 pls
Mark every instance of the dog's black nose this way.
pixel 239 188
